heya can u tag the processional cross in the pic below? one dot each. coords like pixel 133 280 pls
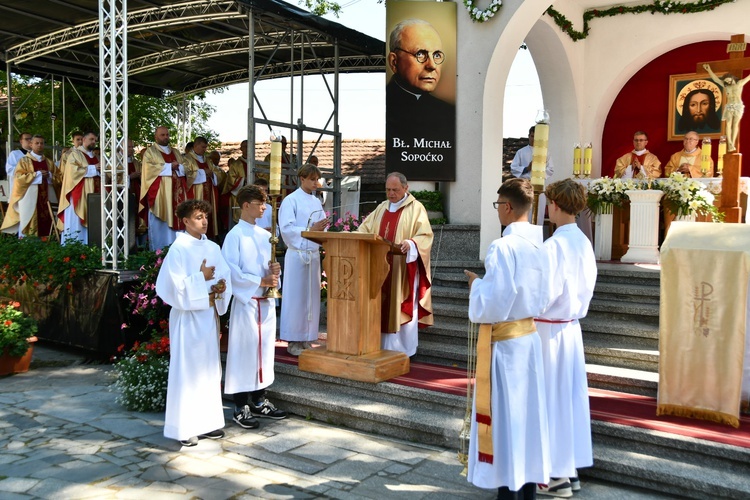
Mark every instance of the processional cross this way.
pixel 730 184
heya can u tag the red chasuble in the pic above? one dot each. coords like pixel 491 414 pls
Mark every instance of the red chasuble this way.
pixel 179 191
pixel 43 217
pixel 387 230
pixel 76 194
pixel 210 195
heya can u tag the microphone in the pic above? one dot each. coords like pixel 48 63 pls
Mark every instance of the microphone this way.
pixel 309 219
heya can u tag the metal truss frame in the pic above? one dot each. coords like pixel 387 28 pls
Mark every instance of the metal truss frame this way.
pixel 113 120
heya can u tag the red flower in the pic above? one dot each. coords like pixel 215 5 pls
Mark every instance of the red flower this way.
pixel 16 304
pixel 49 259
pixel 83 257
pixel 8 322
pixel 120 347
pixel 66 259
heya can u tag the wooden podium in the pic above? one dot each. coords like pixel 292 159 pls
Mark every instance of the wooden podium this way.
pixel 356 267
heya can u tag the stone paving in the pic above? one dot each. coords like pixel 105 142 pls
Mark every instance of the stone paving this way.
pixel 62 435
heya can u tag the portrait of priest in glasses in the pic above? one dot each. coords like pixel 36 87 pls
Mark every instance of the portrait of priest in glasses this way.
pixel 420 128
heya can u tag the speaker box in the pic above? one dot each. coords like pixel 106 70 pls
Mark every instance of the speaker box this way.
pixel 94 218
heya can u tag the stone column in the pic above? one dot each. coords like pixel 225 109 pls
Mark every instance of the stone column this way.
pixel 644 226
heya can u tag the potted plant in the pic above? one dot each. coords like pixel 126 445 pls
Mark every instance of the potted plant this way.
pixel 17 337
pixel 433 203
pixel 603 195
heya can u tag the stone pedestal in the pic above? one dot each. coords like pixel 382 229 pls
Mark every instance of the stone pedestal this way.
pixel 603 234
pixel 644 226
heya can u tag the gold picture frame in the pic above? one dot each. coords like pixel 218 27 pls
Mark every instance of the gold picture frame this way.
pixel 695 103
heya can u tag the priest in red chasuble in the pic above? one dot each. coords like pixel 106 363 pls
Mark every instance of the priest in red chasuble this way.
pixel 29 212
pixel 203 179
pixel 163 187
pixel 639 163
pixel 81 177
pixel 407 291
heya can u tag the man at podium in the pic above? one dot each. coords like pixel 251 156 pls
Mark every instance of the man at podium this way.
pixel 406 292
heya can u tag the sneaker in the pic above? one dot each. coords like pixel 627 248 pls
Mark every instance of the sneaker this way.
pixel 193 441
pixel 556 488
pixel 217 434
pixel 245 419
pixel 575 483
pixel 295 348
pixel 266 409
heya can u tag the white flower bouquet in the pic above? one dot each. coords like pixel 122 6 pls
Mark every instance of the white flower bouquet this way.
pixel 606 193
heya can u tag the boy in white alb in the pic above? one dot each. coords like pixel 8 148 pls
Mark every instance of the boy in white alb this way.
pixel 573 272
pixel 508 444
pixel 194 280
pixel 252 320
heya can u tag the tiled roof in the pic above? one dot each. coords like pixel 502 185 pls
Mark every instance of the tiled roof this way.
pixel 362 157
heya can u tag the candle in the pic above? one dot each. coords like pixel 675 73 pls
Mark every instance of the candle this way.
pixel 274 182
pixel 588 155
pixel 706 158
pixel 577 160
pixel 722 152
pixel 539 160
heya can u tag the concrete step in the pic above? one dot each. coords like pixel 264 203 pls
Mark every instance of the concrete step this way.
pixel 605 324
pixel 623 353
pixel 619 309
pixel 441 353
pixel 447 330
pixel 628 380
pixel 645 294
pixel 442 294
pixel 455 242
pixel 388 409
pixel 676 471
pixel 451 278
pixel 636 274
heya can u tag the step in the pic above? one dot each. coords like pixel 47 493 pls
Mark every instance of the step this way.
pixel 388 409
pixel 441 353
pixel 447 330
pixel 625 353
pixel 627 465
pixel 452 279
pixel 455 242
pixel 449 295
pixel 648 294
pixel 617 307
pixel 619 379
pixel 637 274
pixel 629 328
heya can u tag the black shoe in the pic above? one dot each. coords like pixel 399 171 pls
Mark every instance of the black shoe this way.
pixel 217 434
pixel 245 419
pixel 193 441
pixel 265 409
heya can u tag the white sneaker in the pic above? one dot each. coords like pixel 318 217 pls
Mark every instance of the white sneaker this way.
pixel 559 488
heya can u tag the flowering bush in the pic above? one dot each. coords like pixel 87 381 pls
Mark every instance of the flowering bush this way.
pixel 15 329
pixel 142 299
pixel 686 196
pixel 348 223
pixel 142 376
pixel 606 192
pixel 45 264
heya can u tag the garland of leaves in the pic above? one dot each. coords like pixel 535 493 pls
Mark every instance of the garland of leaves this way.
pixel 479 15
pixel 667 7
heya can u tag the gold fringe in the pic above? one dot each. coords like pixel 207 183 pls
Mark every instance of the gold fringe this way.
pixel 698 413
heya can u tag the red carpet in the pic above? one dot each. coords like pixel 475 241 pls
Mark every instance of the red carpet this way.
pixel 610 406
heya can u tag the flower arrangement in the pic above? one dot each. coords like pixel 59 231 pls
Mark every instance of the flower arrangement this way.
pixel 142 376
pixel 44 264
pixel 15 329
pixel 606 193
pixel 348 223
pixel 685 196
pixel 482 15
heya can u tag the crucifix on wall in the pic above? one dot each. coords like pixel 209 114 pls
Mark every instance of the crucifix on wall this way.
pixel 732 82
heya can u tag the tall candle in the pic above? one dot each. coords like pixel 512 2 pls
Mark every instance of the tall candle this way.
pixel 577 160
pixel 722 152
pixel 706 158
pixel 588 155
pixel 274 182
pixel 539 160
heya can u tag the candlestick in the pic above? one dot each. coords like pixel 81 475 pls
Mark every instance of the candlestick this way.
pixel 577 157
pixel 588 155
pixel 274 181
pixel 706 158
pixel 539 160
pixel 722 152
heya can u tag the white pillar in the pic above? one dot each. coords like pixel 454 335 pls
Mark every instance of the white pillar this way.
pixel 644 226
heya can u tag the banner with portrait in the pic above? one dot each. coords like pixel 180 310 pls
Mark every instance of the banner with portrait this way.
pixel 420 102
pixel 695 103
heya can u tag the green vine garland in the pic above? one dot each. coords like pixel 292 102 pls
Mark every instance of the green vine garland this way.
pixel 667 7
pixel 479 15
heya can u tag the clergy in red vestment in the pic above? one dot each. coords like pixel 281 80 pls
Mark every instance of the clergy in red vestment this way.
pixel 163 187
pixel 29 212
pixel 407 291
pixel 81 177
pixel 639 163
pixel 203 179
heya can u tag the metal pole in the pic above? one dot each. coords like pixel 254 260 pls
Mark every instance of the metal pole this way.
pixel 337 135
pixel 54 149
pixel 10 109
pixel 291 97
pixel 251 100
pixel 64 124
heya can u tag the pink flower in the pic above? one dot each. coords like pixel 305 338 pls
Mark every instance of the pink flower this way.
pixel 153 301
pixel 123 326
pixel 158 252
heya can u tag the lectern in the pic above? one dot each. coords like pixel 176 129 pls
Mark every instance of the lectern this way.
pixel 356 267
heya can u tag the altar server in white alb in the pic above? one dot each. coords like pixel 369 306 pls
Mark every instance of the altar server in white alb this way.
pixel 195 280
pixel 300 307
pixel 508 444
pixel 573 276
pixel 252 321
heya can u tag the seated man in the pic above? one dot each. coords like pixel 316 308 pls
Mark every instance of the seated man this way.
pixel 639 163
pixel 688 161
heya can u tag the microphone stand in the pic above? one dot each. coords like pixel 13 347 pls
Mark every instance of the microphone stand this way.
pixel 273 292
